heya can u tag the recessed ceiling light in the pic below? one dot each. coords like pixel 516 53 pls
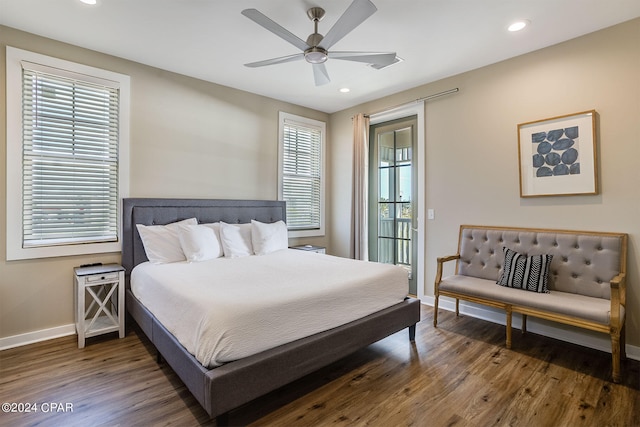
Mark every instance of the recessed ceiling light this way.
pixel 89 1
pixel 518 25
pixel 345 89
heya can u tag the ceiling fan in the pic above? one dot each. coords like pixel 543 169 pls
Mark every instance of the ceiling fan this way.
pixel 316 49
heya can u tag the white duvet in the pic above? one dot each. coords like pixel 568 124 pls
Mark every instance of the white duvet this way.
pixel 229 308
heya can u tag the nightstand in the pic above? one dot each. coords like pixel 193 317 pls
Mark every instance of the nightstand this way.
pixel 99 300
pixel 311 248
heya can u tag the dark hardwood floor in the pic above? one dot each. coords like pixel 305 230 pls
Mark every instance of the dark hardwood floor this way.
pixel 458 374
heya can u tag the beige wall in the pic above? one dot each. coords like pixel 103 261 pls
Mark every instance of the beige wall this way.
pixel 471 147
pixel 189 138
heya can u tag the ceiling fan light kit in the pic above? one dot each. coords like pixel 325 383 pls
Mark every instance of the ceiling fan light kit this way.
pixel 316 49
pixel 316 55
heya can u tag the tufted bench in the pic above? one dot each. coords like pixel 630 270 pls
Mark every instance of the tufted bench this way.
pixel 586 278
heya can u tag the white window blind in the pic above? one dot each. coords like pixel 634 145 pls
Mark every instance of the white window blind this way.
pixel 302 175
pixel 70 158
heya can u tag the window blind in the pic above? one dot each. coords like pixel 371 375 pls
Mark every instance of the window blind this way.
pixel 70 158
pixel 301 179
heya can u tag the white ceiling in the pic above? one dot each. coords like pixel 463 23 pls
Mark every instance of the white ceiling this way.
pixel 211 40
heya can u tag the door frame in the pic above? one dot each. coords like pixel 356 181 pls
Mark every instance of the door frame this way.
pixel 414 109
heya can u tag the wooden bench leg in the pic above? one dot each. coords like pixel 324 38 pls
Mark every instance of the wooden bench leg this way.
pixel 524 324
pixel 508 310
pixel 615 356
pixel 457 307
pixel 435 312
pixel 623 343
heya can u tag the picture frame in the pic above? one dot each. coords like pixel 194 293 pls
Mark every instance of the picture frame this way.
pixel 557 156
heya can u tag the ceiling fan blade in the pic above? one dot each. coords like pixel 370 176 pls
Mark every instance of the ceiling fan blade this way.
pixel 355 15
pixel 377 58
pixel 262 20
pixel 273 61
pixel 320 74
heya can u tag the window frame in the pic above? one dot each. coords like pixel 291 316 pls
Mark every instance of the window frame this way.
pixel 284 117
pixel 14 144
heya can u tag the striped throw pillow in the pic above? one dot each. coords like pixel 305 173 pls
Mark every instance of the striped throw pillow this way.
pixel 530 273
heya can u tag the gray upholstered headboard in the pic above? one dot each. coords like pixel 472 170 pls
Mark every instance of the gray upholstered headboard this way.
pixel 152 211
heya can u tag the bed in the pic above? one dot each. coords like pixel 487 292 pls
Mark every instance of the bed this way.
pixel 220 389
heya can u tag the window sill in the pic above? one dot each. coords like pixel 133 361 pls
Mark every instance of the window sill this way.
pixel 15 252
pixel 306 233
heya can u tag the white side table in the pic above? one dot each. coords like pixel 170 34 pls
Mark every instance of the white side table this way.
pixel 311 248
pixel 99 300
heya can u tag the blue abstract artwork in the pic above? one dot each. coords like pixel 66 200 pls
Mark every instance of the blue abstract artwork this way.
pixel 556 152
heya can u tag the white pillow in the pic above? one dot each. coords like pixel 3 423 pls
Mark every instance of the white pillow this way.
pixel 199 243
pixel 161 242
pixel 236 240
pixel 215 226
pixel 268 238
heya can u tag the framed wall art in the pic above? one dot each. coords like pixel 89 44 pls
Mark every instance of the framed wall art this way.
pixel 557 156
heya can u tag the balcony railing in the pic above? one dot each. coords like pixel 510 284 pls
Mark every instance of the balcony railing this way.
pixel 395 248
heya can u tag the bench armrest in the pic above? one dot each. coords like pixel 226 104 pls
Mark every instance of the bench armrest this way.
pixel 441 261
pixel 447 258
pixel 618 297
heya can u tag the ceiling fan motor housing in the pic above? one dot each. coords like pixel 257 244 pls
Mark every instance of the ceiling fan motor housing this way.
pixel 315 54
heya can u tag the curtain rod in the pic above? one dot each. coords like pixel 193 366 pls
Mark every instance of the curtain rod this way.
pixel 424 98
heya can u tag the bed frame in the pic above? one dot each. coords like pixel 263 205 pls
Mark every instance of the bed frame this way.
pixel 224 388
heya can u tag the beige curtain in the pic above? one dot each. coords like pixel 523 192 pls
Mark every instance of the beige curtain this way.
pixel 360 186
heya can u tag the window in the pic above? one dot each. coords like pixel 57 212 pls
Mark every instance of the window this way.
pixel 67 138
pixel 301 170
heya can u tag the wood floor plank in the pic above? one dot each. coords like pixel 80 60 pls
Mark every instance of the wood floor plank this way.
pixel 457 374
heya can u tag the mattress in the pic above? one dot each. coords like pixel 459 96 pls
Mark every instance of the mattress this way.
pixel 226 309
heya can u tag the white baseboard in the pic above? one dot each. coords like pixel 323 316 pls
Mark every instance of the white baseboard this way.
pixel 37 336
pixel 558 331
